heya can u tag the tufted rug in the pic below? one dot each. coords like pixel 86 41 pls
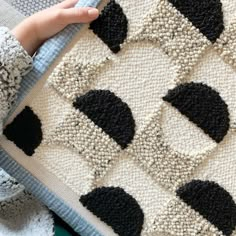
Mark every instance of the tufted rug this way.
pixel 134 128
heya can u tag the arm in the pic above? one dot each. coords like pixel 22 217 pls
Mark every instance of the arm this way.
pixel 17 46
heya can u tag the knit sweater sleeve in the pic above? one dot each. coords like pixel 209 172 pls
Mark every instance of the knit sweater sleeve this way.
pixel 14 63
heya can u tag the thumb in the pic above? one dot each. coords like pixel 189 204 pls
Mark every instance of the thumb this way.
pixel 78 15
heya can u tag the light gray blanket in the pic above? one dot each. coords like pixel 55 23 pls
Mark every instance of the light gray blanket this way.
pixel 28 7
pixel 9 16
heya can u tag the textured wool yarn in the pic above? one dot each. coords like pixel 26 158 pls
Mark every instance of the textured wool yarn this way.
pixel 111 26
pixel 27 124
pixel 203 106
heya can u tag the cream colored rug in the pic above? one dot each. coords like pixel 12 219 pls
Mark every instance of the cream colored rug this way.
pixel 136 124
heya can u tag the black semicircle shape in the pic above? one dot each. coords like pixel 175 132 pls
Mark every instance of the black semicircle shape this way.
pixel 116 208
pixel 203 106
pixel 206 15
pixel 212 201
pixel 110 113
pixel 111 26
pixel 25 131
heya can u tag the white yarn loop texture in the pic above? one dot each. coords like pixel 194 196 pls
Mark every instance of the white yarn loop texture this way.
pixel 20 213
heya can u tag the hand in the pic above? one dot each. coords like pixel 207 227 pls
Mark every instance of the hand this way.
pixel 34 30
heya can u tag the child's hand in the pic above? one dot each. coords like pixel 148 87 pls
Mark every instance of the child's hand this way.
pixel 33 31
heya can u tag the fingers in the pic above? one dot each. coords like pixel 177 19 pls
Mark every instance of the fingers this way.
pixel 78 15
pixel 65 4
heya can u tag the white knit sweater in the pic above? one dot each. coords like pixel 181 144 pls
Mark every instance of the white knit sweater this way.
pixel 20 213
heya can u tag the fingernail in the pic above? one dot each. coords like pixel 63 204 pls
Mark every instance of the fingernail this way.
pixel 93 12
